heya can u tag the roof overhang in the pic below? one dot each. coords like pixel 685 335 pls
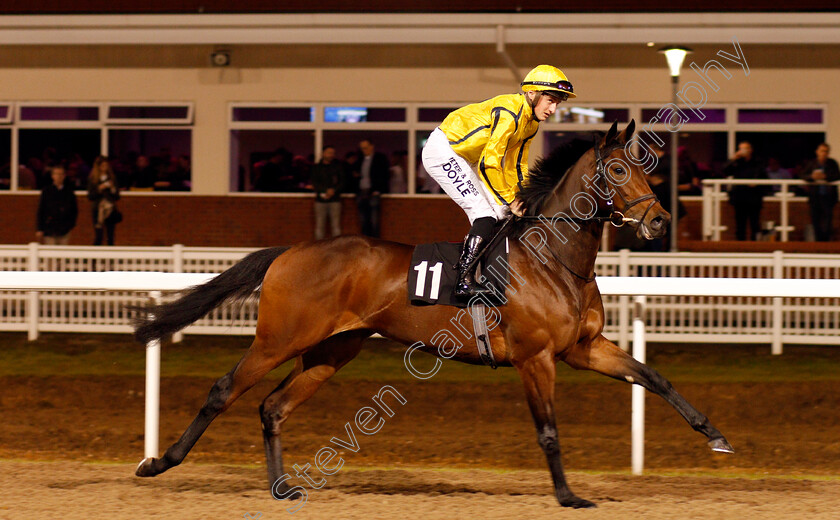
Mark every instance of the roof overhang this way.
pixel 418 29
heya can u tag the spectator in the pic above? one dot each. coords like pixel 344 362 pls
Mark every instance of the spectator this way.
pixel 27 179
pixel 351 165
pixel 775 171
pixel 5 175
pixel 103 193
pixel 425 182
pixel 124 170
pixel 660 184
pixel 301 173
pixel 327 182
pixel 182 174
pixel 57 210
pixel 688 176
pixel 397 182
pixel 373 176
pixel 822 196
pixel 143 175
pixel 276 173
pixel 77 171
pixel 747 199
pixel 36 166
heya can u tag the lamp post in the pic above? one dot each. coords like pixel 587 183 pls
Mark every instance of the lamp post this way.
pixel 675 57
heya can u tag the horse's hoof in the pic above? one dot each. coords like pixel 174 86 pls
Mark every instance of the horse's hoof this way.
pixel 577 503
pixel 144 469
pixel 721 445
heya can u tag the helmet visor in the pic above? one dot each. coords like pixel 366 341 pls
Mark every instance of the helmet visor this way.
pixel 559 85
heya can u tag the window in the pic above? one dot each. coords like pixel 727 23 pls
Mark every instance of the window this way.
pixel 41 148
pixel 433 114
pixel 290 151
pixel 5 113
pixel 5 158
pixel 364 115
pixel 158 159
pixel 700 155
pixel 268 114
pixel 578 114
pixel 149 145
pixel 713 115
pixel 59 113
pixel 155 114
pixel 774 115
pixel 391 143
pixel 74 134
pixel 790 149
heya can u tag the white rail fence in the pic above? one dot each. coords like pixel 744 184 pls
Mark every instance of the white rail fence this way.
pixel 714 195
pixel 151 283
pixel 694 319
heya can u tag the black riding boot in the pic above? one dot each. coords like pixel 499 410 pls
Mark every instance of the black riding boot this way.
pixel 466 285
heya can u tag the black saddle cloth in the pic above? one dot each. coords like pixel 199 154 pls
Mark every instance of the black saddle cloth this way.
pixel 432 274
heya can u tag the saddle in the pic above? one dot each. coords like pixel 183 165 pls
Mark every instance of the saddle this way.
pixel 432 274
pixel 432 277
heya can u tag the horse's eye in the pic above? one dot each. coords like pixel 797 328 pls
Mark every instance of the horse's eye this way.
pixel 618 170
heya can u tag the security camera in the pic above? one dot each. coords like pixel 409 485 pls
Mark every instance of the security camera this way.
pixel 220 58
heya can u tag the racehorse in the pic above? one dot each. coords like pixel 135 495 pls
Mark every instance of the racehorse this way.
pixel 320 300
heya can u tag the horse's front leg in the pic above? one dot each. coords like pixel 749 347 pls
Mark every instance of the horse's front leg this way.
pixel 604 356
pixel 538 374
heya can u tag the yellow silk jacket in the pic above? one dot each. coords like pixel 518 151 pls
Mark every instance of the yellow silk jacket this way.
pixel 495 135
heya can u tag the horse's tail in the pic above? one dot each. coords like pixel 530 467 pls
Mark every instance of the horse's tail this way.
pixel 236 283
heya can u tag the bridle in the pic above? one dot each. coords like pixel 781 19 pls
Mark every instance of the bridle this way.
pixel 615 217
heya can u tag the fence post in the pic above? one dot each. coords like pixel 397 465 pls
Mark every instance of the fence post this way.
pixel 177 267
pixel 624 303
pixel 778 316
pixel 708 201
pixel 32 308
pixel 638 399
pixel 784 226
pixel 719 196
pixel 152 428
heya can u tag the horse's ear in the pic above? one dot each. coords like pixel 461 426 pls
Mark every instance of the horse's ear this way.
pixel 610 134
pixel 628 131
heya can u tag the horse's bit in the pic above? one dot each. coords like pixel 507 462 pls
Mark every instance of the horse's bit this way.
pixel 616 217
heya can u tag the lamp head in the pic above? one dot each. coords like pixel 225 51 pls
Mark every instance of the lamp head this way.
pixel 675 57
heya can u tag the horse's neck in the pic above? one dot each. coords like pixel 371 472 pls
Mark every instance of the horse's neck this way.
pixel 580 248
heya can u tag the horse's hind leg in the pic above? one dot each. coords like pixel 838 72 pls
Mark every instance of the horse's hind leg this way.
pixel 538 375
pixel 311 370
pixel 604 356
pixel 253 366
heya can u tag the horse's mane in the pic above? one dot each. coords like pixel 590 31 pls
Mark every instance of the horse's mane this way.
pixel 550 170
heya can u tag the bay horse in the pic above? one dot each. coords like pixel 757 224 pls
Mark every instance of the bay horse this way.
pixel 320 300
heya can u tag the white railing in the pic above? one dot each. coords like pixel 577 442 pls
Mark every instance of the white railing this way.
pixel 621 286
pixel 694 319
pixel 714 195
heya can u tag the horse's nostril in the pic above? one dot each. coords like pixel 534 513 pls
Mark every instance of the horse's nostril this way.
pixel 656 223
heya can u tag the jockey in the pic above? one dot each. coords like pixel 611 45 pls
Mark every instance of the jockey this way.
pixel 479 156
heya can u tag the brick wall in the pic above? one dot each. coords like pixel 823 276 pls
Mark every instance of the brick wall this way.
pixel 237 221
pixel 219 221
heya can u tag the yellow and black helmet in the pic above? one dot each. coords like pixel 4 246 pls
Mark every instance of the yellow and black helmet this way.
pixel 548 79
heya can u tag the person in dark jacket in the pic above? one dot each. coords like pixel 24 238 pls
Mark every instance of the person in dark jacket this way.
pixel 57 210
pixel 373 174
pixel 822 196
pixel 746 199
pixel 327 177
